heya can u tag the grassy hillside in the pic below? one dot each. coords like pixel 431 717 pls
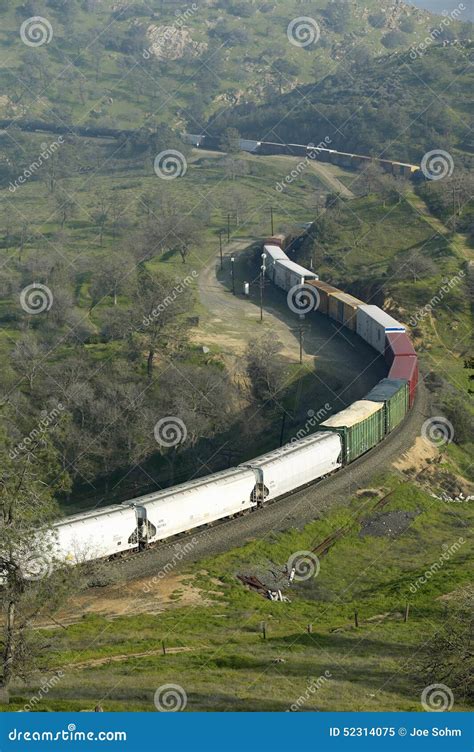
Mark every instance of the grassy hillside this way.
pixel 398 106
pixel 389 250
pixel 130 65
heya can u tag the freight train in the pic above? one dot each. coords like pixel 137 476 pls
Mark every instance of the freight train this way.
pixel 310 151
pixel 338 441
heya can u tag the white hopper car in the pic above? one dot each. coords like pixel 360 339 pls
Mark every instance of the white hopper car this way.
pixel 297 464
pixel 152 518
pixel 93 535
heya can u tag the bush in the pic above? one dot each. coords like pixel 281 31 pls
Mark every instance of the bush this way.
pixel 393 39
pixel 407 25
pixel 377 20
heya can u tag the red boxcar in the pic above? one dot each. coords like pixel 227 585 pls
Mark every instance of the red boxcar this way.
pixel 406 367
pixel 397 343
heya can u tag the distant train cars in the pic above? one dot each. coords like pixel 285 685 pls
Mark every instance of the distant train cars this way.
pixel 332 156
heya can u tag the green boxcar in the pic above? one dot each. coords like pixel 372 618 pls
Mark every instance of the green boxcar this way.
pixel 394 394
pixel 361 426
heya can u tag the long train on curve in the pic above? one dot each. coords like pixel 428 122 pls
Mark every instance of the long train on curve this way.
pixel 311 151
pixel 141 522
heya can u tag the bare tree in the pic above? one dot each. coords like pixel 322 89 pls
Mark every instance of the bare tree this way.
pixel 265 368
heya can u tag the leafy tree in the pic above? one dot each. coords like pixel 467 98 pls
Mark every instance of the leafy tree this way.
pixel 30 586
pixel 230 141
pixel 393 39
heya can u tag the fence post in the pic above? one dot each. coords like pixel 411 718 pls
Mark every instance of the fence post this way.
pixel 163 647
pixel 356 618
pixel 407 611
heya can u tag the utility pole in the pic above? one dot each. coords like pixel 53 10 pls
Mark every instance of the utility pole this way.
pixel 262 282
pixel 282 430
pixel 228 228
pixel 220 247
pixel 232 259
pixel 301 337
pixel 271 219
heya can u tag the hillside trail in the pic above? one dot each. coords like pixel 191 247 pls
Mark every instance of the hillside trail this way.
pixel 457 240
